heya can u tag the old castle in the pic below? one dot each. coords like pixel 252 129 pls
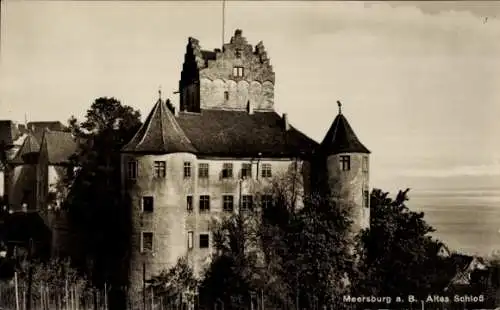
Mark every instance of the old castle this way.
pixel 216 153
pixel 212 156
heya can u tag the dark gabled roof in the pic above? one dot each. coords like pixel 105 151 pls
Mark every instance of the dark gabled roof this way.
pixel 238 133
pixel 340 138
pixel 59 146
pixel 160 133
pixel 30 146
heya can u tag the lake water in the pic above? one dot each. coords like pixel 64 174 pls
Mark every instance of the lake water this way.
pixel 466 220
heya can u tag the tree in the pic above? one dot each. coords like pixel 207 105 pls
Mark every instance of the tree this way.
pixel 236 270
pixel 309 250
pixel 175 285
pixel 94 201
pixel 400 257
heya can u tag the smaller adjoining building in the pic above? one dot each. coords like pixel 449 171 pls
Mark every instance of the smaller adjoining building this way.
pixel 32 195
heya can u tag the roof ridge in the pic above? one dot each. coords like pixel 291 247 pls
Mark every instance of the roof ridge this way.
pixel 176 126
pixel 161 123
pixel 147 124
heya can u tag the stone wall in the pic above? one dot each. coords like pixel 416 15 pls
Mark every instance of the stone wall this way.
pixel 166 222
pixel 171 221
pixel 349 187
pixel 231 94
pixel 209 79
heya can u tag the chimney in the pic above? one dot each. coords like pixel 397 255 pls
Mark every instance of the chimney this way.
pixel 286 125
pixel 249 107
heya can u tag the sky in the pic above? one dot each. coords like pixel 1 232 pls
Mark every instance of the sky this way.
pixel 419 82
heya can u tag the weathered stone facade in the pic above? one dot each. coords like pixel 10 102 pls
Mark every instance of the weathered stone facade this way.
pixel 172 220
pixel 232 78
pixel 351 186
pixel 226 119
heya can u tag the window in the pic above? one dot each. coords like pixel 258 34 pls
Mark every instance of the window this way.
pixel 238 71
pixel 266 201
pixel 189 203
pixel 226 95
pixel 246 202
pixel 227 203
pixel 366 199
pixel 132 170
pixel 204 241
pixel 246 170
pixel 266 171
pixel 160 169
pixel 227 170
pixel 345 163
pixel 204 203
pixel 147 242
pixel 147 204
pixel 237 53
pixel 190 240
pixel 365 163
pixel 187 169
pixel 203 170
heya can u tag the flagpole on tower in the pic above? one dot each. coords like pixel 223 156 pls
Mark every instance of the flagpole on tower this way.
pixel 223 20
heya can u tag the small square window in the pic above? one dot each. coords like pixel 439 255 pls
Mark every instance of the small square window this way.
pixel 345 163
pixel 187 169
pixel 204 203
pixel 160 169
pixel 190 240
pixel 228 203
pixel 147 242
pixel 266 171
pixel 227 170
pixel 203 170
pixel 246 202
pixel 204 241
pixel 246 170
pixel 189 203
pixel 147 204
pixel 132 170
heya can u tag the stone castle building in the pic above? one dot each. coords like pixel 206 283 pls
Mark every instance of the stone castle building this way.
pixel 216 154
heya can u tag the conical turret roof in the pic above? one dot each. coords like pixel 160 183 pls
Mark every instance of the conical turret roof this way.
pixel 340 138
pixel 160 134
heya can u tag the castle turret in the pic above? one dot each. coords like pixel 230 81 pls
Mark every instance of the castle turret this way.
pixel 347 170
pixel 153 175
